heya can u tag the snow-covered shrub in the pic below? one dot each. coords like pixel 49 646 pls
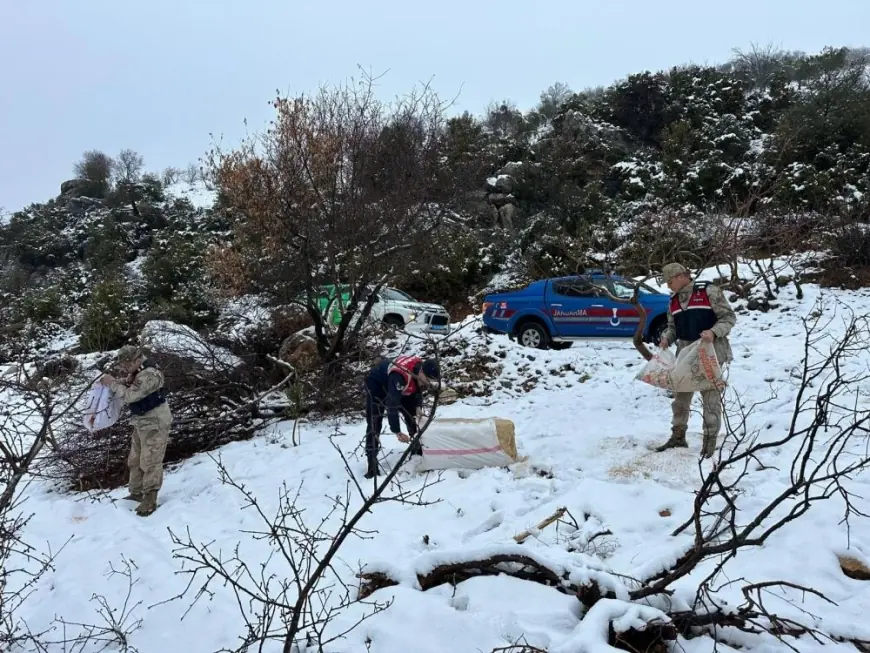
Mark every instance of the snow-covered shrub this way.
pixel 175 283
pixel 41 305
pixel 107 245
pixel 107 316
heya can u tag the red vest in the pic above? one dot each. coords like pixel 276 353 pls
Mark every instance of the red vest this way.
pixel 698 315
pixel 405 365
pixel 697 300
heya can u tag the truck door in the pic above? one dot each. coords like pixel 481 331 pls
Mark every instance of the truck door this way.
pixel 622 319
pixel 570 306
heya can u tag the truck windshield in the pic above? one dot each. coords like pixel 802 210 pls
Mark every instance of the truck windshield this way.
pixel 393 295
pixel 622 289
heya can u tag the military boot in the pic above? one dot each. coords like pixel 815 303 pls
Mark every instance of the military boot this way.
pixel 372 470
pixel 148 505
pixel 133 496
pixel 677 439
pixel 708 448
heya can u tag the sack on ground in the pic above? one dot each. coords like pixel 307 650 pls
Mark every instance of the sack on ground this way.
pixel 103 408
pixel 696 369
pixel 468 444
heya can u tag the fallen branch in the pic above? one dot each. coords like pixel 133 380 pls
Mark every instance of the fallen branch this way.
pixel 556 516
pixel 508 564
pixel 518 648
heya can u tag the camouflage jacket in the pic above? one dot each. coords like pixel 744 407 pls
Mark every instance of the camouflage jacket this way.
pixel 143 383
pixel 726 318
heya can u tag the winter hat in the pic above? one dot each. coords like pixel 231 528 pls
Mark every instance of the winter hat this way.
pixel 430 369
pixel 672 270
pixel 128 353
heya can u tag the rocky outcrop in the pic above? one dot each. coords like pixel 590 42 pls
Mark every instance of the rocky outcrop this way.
pixel 499 195
pixel 81 188
pixel 300 350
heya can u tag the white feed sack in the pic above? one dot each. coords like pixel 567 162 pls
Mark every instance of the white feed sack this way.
pixel 468 444
pixel 696 369
pixel 103 408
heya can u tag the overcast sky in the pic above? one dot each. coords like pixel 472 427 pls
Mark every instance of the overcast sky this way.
pixel 160 76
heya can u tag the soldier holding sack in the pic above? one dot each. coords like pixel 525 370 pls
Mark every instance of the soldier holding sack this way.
pixel 142 391
pixel 698 311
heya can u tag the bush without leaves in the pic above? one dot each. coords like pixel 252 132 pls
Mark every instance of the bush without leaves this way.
pixel 212 404
pixel 850 246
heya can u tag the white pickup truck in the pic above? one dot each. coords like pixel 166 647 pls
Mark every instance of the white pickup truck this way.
pixel 397 309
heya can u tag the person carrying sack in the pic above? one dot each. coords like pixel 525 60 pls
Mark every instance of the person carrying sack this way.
pixel 698 311
pixel 143 392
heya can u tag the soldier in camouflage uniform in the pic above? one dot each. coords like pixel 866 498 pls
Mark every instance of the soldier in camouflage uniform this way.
pixel 698 310
pixel 143 392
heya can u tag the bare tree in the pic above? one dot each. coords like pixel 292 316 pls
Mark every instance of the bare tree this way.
pixel 760 63
pixel 35 403
pixel 26 422
pixel 171 175
pixel 191 174
pixel 342 191
pixel 553 98
pixel 128 166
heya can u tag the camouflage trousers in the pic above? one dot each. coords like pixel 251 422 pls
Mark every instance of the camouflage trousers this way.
pixel 711 410
pixel 147 449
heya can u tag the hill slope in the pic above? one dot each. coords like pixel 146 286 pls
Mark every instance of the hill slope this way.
pixel 623 177
pixel 586 427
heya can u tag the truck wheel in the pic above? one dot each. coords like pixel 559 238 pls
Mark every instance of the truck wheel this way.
pixel 394 321
pixel 532 334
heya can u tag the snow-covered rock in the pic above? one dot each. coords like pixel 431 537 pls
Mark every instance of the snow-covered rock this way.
pixel 182 341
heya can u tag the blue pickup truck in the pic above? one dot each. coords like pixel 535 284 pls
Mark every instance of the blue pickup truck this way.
pixel 552 313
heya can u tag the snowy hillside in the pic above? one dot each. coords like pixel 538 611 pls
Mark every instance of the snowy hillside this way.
pixel 586 427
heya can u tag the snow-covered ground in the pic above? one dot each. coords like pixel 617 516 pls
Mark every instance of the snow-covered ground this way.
pixel 586 427
pixel 199 194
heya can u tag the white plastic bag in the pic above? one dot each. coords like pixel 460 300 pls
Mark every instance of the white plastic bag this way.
pixel 696 369
pixel 468 444
pixel 103 408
